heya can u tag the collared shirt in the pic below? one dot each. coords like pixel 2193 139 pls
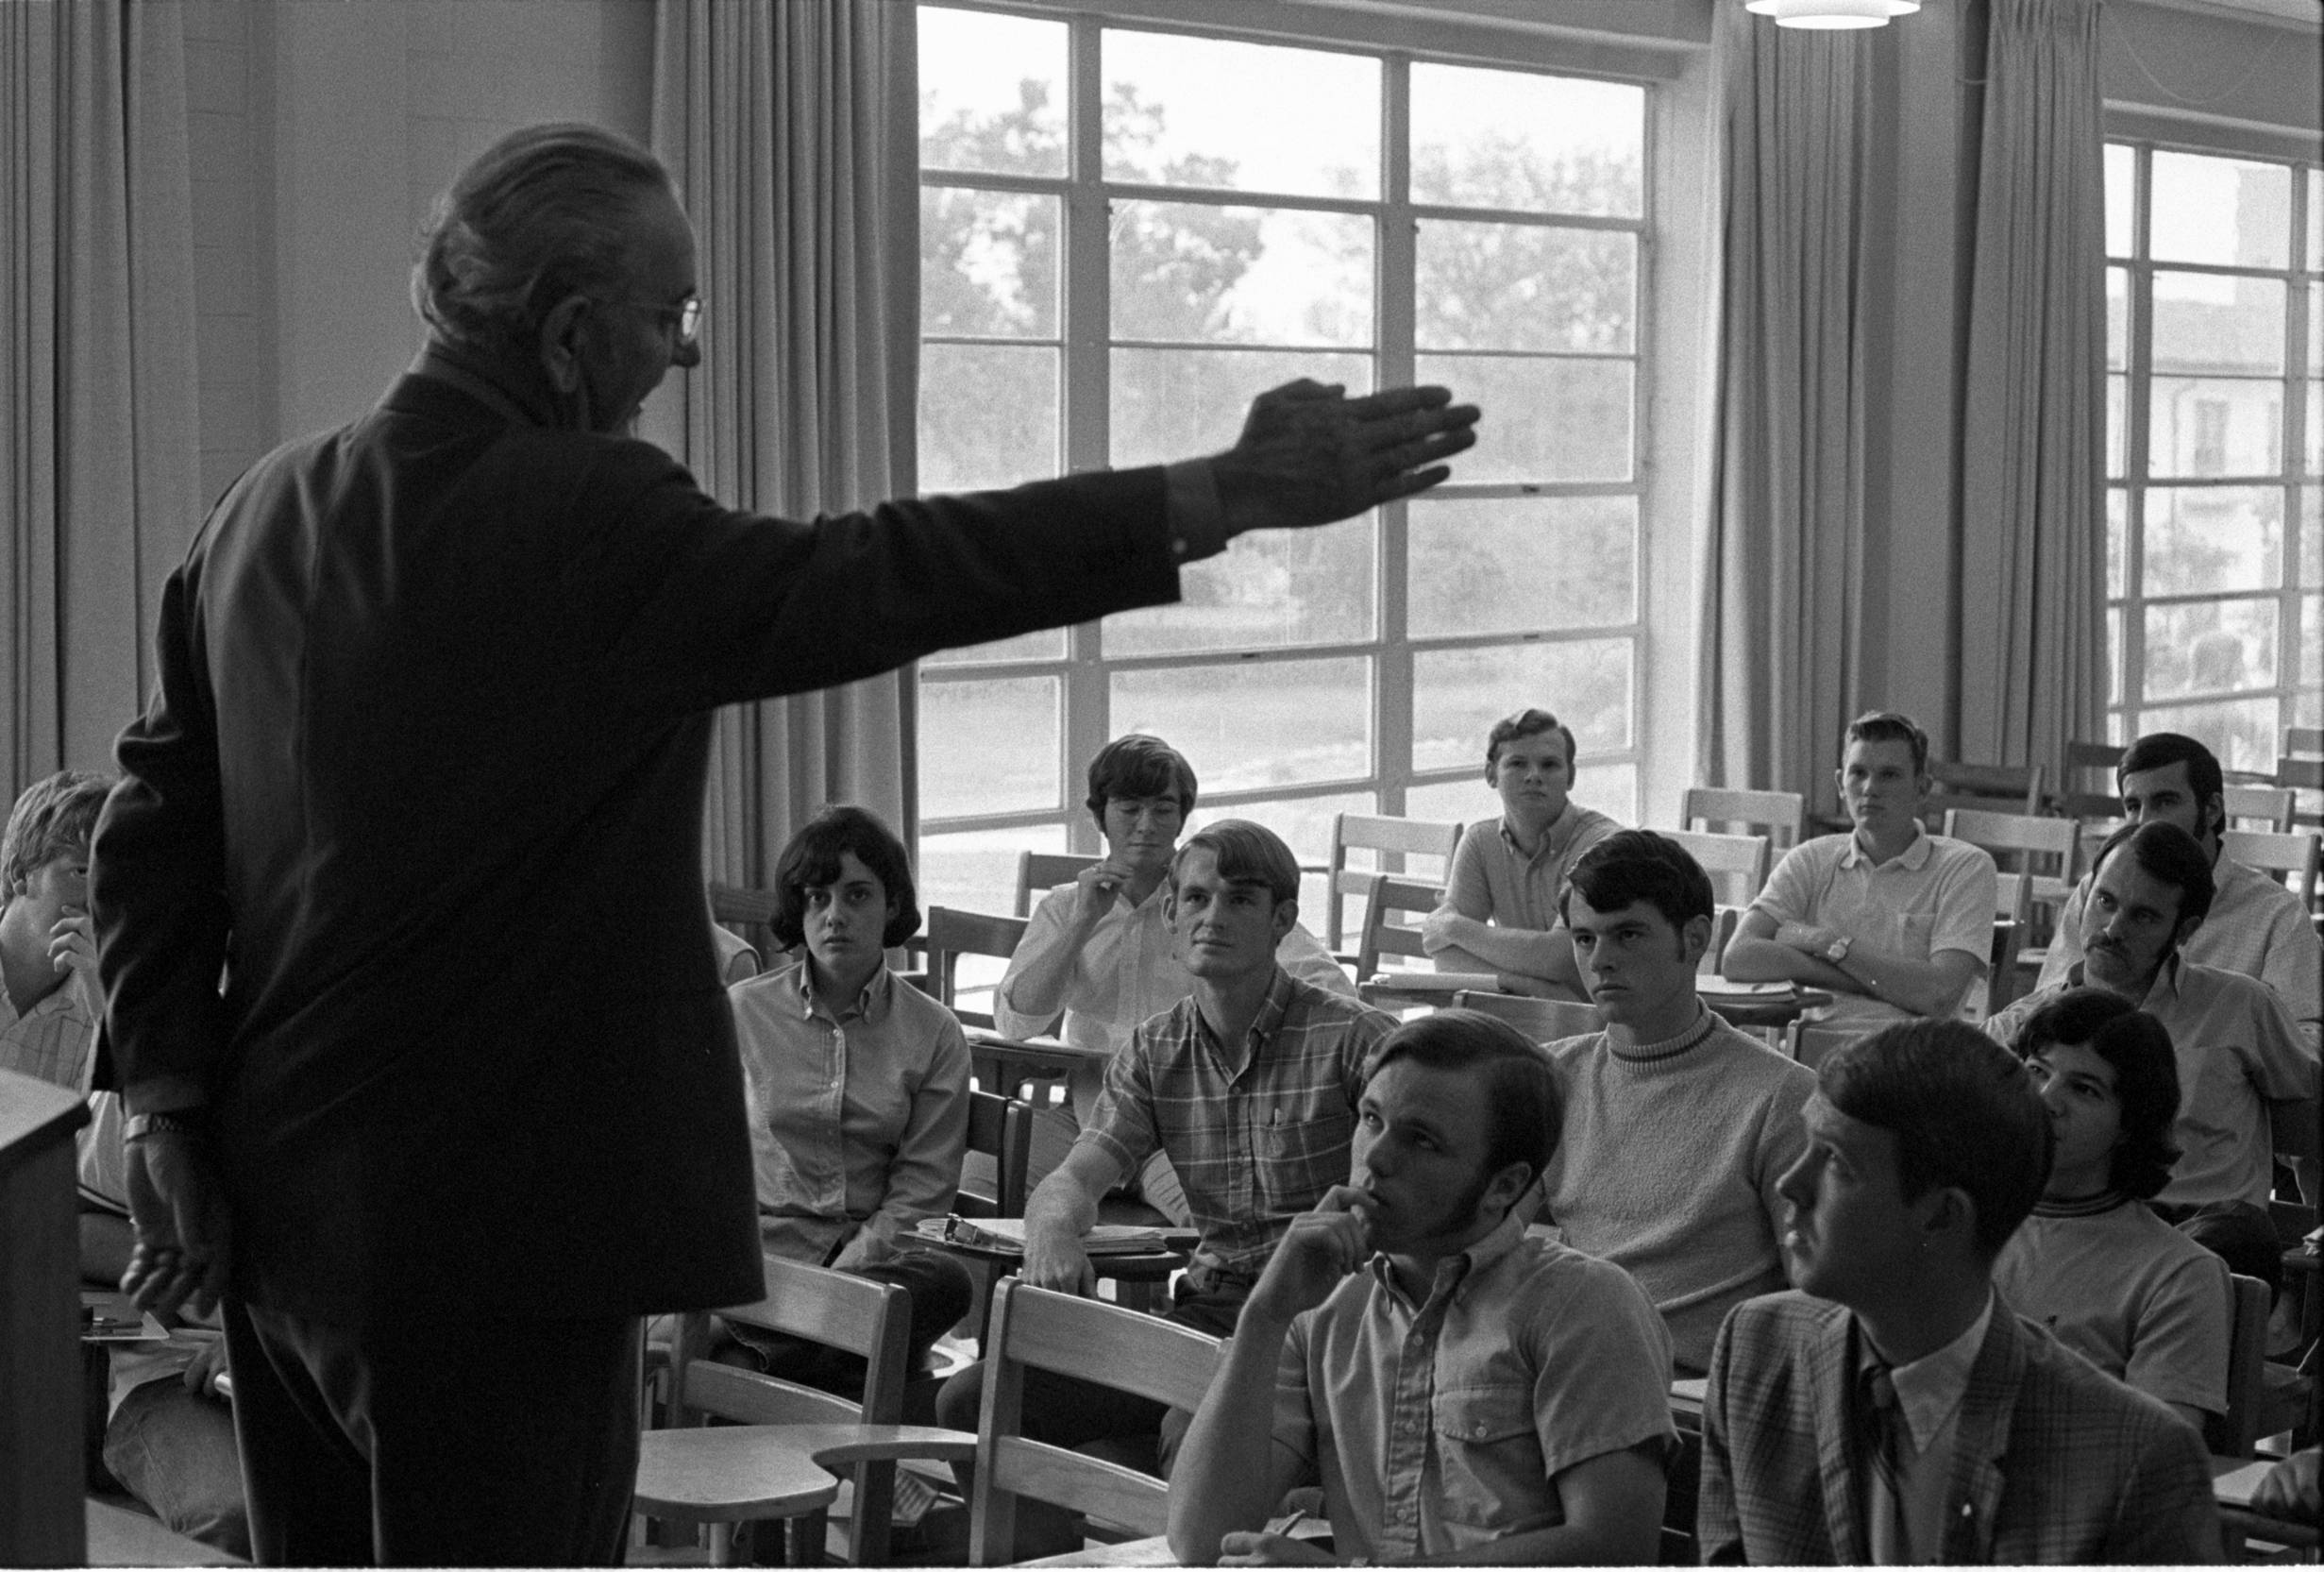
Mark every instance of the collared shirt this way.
pixel 52 1041
pixel 1936 894
pixel 2238 1050
pixel 1492 881
pixel 858 1115
pixel 2255 926
pixel 1929 1395
pixel 1256 1136
pixel 1443 1426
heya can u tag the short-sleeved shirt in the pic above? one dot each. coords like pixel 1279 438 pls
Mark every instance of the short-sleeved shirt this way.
pixel 1493 882
pixel 859 1114
pixel 2255 926
pixel 52 1041
pixel 1254 1146
pixel 2238 1050
pixel 1936 894
pixel 1441 1426
pixel 2128 1292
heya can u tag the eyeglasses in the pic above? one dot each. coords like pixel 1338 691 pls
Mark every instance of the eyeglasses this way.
pixel 686 316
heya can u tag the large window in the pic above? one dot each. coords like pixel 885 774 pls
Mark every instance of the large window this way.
pixel 2215 448
pixel 1125 234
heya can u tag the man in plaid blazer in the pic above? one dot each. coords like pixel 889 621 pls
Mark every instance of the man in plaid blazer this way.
pixel 1893 1408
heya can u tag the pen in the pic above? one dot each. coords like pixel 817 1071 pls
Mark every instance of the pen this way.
pixel 1293 1521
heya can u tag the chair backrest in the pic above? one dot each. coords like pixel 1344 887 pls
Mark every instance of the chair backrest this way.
pixel 1036 1330
pixel 2304 779
pixel 1737 864
pixel 952 933
pixel 1001 1132
pixel 2260 807
pixel 748 913
pixel 1386 899
pixel 2234 1433
pixel 2292 858
pixel 1542 1020
pixel 1385 838
pixel 1041 871
pixel 2043 848
pixel 2086 787
pixel 1781 816
pixel 2010 788
pixel 2302 742
pixel 2013 909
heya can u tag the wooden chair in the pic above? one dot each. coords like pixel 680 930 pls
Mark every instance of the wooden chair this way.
pixel 2043 849
pixel 2000 787
pixel 1039 871
pixel 1033 1329
pixel 1780 816
pixel 748 913
pixel 1401 840
pixel 2302 742
pixel 2086 786
pixel 2293 859
pixel 1001 1132
pixel 952 933
pixel 1737 864
pixel 1385 899
pixel 772 1463
pixel 2260 807
pixel 1542 1020
pixel 2012 903
pixel 2304 779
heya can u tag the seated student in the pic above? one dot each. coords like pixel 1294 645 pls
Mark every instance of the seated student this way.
pixel 1891 1409
pixel 2255 926
pixel 1891 921
pixel 1500 911
pixel 1099 949
pixel 48 959
pixel 1249 1084
pixel 2118 1285
pixel 858 1087
pixel 1413 1296
pixel 2247 1079
pixel 1676 1125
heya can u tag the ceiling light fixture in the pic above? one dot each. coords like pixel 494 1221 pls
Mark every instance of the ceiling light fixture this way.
pixel 1832 14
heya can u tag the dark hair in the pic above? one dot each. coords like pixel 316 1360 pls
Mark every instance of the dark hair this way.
pixel 1246 853
pixel 2170 855
pixel 1530 723
pixel 1638 865
pixel 54 818
pixel 1962 1109
pixel 812 858
pixel 543 213
pixel 2159 750
pixel 2138 1048
pixel 1520 1089
pixel 1139 766
pixel 1890 726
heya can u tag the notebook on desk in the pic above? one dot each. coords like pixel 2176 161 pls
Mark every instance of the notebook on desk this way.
pixel 1009 1234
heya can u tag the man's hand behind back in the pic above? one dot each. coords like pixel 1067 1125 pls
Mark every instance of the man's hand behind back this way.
pixel 1310 455
pixel 182 1253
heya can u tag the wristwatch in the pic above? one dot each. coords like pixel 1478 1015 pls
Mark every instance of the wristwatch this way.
pixel 173 1121
pixel 1838 951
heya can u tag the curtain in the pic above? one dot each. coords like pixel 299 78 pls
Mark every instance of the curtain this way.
pixel 2034 425
pixel 99 423
pixel 1782 587
pixel 791 126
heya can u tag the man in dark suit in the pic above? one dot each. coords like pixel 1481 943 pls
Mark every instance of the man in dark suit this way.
pixel 424 777
pixel 1893 1408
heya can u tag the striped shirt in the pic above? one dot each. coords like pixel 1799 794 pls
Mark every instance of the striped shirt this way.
pixel 1254 1144
pixel 52 1040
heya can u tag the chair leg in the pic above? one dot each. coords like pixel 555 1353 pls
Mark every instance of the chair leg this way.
pixel 722 1545
pixel 804 1538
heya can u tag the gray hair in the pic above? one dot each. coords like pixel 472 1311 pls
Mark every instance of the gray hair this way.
pixel 541 215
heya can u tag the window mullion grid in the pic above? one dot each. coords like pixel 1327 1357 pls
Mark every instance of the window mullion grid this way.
pixel 2296 389
pixel 1089 436
pixel 1392 680
pixel 2138 368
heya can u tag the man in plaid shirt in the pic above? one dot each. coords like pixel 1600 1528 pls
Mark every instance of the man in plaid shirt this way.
pixel 1249 1084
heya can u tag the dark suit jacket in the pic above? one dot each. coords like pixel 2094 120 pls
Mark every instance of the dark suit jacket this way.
pixel 425 773
pixel 2056 1462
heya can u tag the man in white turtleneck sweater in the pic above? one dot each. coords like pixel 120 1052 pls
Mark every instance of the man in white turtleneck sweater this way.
pixel 1676 1125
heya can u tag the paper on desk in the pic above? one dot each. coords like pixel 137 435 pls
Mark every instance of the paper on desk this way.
pixel 1009 1233
pixel 1437 982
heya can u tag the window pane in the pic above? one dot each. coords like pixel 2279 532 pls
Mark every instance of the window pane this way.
pixel 2120 216
pixel 1523 286
pixel 1193 111
pixel 2117 504
pixel 1257 723
pixel 2211 647
pixel 2313 448
pixel 1046 644
pixel 2207 322
pixel 2215 425
pixel 2241 731
pixel 2311 675
pixel 1550 420
pixel 2117 395
pixel 1171 404
pixel 989 263
pixel 2224 212
pixel 977 869
pixel 1505 138
pixel 2311 537
pixel 2117 318
pixel 1270 590
pixel 2316 330
pixel 992 93
pixel 989 415
pixel 1189 272
pixel 1458 694
pixel 2113 655
pixel 1522 564
pixel 988 746
pixel 2199 539
pixel 2315 220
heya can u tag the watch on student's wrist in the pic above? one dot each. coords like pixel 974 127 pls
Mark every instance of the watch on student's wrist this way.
pixel 1837 951
pixel 171 1122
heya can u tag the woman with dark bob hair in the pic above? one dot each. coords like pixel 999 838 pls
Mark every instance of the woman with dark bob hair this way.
pixel 858 1090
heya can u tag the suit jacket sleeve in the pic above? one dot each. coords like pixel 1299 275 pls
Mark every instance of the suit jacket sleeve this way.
pixel 2167 1514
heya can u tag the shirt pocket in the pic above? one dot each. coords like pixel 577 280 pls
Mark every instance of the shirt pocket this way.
pixel 1302 1149
pixel 1489 1456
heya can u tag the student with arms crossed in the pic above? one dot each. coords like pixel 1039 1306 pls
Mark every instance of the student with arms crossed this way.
pixel 1463 1392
